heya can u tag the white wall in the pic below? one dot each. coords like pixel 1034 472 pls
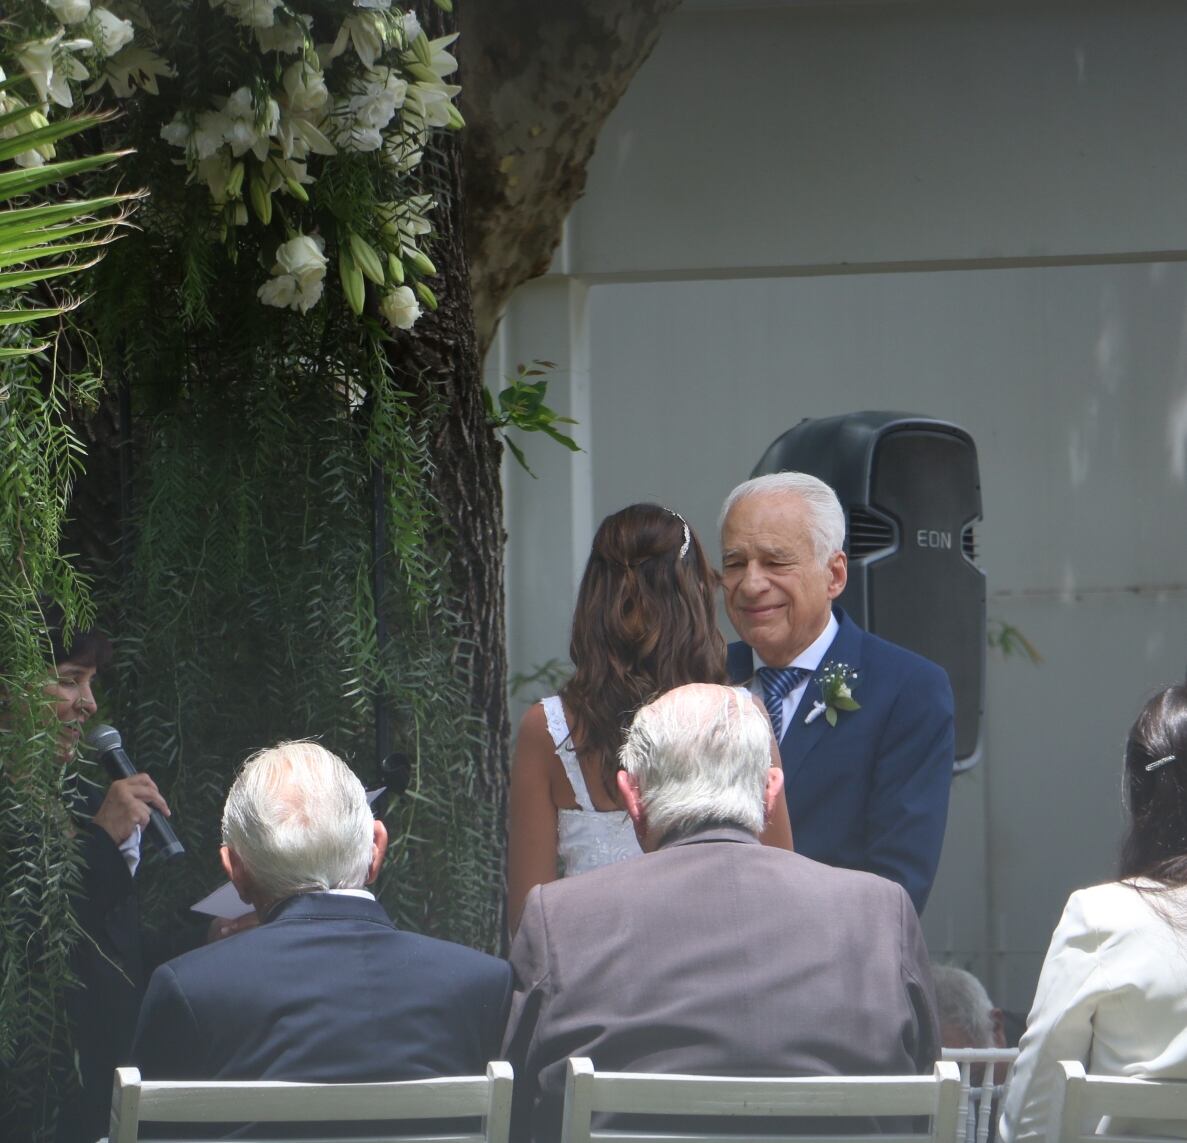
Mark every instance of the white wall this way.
pixel 693 325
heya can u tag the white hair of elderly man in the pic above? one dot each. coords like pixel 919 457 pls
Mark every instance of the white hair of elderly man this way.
pixel 697 756
pixel 297 821
pixel 825 515
pixel 968 1018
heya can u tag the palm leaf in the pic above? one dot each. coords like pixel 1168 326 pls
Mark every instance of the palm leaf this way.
pixel 44 241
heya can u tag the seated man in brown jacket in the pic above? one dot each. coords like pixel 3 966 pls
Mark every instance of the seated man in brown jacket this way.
pixel 711 953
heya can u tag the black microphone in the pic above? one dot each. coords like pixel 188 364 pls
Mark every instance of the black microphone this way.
pixel 107 741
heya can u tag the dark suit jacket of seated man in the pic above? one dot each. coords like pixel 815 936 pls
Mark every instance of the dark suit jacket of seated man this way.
pixel 711 953
pixel 868 789
pixel 326 989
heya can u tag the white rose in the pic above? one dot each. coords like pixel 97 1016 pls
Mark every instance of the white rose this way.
pixel 110 33
pixel 302 257
pixel 280 292
pixel 70 11
pixel 400 308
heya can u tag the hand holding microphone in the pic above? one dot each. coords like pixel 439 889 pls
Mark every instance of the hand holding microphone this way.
pixel 135 795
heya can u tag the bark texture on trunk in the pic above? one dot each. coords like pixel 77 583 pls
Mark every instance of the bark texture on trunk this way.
pixel 539 78
pixel 444 355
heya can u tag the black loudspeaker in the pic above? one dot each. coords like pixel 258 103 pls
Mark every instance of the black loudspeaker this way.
pixel 911 491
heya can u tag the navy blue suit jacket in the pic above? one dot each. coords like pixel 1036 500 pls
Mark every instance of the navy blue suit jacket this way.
pixel 871 792
pixel 327 990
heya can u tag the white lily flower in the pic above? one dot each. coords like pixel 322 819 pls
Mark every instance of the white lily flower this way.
pixel 404 222
pixel 305 86
pixel 35 156
pixel 285 36
pixel 360 139
pixel 376 97
pixel 370 105
pixel 252 13
pixel 428 104
pixel 444 63
pixel 70 11
pixel 209 133
pixel 29 159
pixel 177 131
pixel 134 67
pixel 109 32
pixel 411 26
pixel 215 171
pixel 297 135
pixel 400 308
pixel 278 172
pixel 52 76
pixel 365 33
pixel 404 151
pixel 244 128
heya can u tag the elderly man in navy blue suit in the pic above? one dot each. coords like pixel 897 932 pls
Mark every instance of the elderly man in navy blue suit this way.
pixel 326 988
pixel 864 727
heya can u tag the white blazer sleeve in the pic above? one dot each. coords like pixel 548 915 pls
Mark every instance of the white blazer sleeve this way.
pixel 1059 1027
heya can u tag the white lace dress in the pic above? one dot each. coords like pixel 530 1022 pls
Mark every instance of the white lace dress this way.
pixel 586 838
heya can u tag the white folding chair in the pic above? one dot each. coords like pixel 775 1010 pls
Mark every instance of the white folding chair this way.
pixel 980 1096
pixel 244 1101
pixel 588 1092
pixel 1086 1100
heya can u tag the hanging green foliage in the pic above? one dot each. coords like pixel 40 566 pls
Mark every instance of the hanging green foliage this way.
pixel 43 239
pixel 279 515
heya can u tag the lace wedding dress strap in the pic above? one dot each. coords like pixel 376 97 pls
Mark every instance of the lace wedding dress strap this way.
pixel 562 740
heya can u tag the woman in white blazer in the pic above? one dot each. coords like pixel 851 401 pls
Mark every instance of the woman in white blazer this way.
pixel 1113 990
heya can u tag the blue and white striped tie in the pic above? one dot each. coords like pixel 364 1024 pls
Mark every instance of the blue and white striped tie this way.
pixel 777 684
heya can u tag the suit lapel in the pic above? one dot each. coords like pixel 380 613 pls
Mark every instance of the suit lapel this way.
pixel 739 664
pixel 802 736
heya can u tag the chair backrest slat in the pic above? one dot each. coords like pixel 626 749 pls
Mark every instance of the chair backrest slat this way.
pixel 588 1092
pixel 1086 1100
pixel 979 1102
pixel 268 1101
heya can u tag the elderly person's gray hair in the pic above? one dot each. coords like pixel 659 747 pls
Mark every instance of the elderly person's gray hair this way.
pixel 700 754
pixel 299 820
pixel 825 515
pixel 964 1004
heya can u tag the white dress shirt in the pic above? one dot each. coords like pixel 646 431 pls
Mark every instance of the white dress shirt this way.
pixel 809 658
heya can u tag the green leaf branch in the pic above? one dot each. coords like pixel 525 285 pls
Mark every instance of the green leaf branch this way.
pixel 521 406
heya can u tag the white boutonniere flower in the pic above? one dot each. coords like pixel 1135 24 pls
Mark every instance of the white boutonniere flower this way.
pixel 836 682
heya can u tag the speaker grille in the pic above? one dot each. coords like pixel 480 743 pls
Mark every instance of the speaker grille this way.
pixel 868 533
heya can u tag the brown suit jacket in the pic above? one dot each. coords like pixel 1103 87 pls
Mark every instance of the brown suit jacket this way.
pixel 716 955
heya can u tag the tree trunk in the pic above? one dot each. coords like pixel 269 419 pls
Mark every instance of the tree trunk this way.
pixel 442 359
pixel 538 80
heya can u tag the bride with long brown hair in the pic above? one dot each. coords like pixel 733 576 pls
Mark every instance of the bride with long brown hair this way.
pixel 644 623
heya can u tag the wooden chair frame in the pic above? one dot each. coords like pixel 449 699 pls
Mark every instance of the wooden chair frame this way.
pixel 1088 1099
pixel 976 1113
pixel 270 1101
pixel 588 1091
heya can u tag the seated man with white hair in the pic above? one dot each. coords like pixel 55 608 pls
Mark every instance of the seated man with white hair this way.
pixel 968 1018
pixel 326 988
pixel 711 953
